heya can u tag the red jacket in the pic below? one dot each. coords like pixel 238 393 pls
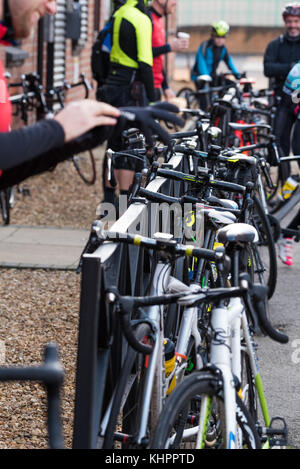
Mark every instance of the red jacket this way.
pixel 5 104
pixel 158 39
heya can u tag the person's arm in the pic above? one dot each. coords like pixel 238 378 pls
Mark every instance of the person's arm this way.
pixel 143 29
pixel 157 51
pixel 272 68
pixel 74 120
pixel 143 118
pixel 23 165
pixel 175 44
pixel 25 144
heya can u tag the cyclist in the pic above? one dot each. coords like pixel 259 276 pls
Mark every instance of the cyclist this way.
pixel 130 78
pixel 283 52
pixel 79 126
pixel 211 52
pixel 280 56
pixel 159 10
pixel 289 112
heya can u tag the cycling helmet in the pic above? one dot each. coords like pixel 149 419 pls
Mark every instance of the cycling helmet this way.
pixel 220 29
pixel 292 9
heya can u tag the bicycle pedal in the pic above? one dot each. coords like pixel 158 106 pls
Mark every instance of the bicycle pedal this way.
pixel 277 435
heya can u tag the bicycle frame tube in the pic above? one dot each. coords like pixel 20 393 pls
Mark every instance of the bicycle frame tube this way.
pixel 225 323
pixel 262 194
pixel 188 328
pixel 154 313
pixel 255 370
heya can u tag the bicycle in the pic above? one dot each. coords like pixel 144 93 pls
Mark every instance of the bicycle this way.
pixel 194 412
pixel 145 380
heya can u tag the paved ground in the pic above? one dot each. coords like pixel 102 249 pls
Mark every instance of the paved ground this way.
pixel 280 364
pixel 38 247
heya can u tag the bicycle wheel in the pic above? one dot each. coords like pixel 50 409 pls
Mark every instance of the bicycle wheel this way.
pixel 85 166
pixel 264 251
pixel 190 96
pixel 5 205
pixel 193 417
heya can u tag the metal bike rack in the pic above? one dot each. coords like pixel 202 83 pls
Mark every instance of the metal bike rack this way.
pixel 128 268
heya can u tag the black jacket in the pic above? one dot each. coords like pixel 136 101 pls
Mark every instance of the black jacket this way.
pixel 280 56
pixel 37 148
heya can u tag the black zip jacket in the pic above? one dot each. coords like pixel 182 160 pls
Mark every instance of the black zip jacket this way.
pixel 280 56
pixel 34 149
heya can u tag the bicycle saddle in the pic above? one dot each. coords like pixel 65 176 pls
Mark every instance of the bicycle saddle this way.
pixel 220 218
pixel 230 204
pixel 204 78
pixel 237 232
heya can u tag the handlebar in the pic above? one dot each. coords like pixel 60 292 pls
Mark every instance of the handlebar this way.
pixel 185 199
pixel 255 297
pixel 216 184
pixel 258 293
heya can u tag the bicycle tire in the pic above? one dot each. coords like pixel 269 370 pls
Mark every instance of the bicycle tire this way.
pixel 264 251
pixel 85 166
pixel 190 96
pixel 187 395
pixel 5 205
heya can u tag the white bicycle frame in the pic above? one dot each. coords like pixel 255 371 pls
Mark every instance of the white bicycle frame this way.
pixel 228 323
pixel 226 355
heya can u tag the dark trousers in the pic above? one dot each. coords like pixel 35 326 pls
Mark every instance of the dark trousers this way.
pixel 287 130
pixel 121 96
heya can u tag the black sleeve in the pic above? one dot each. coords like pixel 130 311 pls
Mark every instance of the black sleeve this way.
pixel 145 72
pixel 165 49
pixel 25 144
pixel 272 68
pixel 49 159
pixel 165 83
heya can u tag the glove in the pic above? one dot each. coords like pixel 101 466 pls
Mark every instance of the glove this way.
pixel 144 118
pixel 238 76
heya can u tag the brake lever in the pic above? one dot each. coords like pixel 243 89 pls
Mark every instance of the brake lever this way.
pixel 135 186
pixel 110 170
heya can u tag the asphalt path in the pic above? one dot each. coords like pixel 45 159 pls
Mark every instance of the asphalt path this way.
pixel 280 364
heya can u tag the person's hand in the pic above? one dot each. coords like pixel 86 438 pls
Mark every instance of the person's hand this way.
pixel 169 94
pixel 178 44
pixel 144 118
pixel 79 117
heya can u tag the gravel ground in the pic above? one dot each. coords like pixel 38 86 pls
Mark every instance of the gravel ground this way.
pixel 59 198
pixel 28 322
pixel 40 306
